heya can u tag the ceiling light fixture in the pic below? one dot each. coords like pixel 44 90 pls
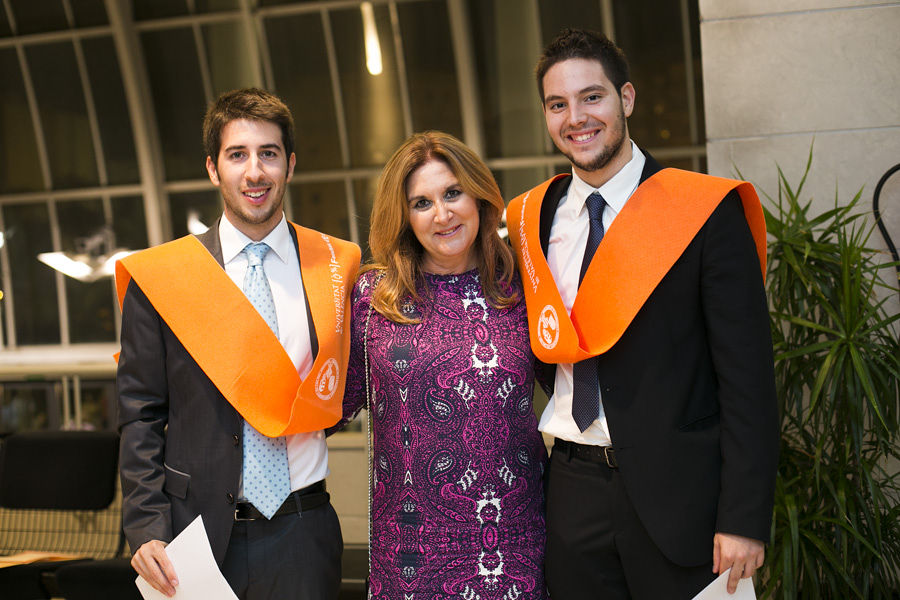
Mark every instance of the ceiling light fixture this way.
pixel 94 257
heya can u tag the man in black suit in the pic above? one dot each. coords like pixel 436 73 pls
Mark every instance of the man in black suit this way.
pixel 662 400
pixel 203 383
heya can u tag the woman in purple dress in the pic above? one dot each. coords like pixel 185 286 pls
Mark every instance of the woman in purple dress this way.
pixel 457 501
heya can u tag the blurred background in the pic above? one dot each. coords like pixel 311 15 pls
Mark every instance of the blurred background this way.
pixel 101 103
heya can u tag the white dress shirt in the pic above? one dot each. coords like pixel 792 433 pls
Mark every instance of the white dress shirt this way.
pixel 307 452
pixel 568 239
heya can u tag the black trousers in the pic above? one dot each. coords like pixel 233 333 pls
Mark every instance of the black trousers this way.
pixel 597 546
pixel 296 556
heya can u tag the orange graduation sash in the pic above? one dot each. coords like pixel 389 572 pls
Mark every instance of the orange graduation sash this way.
pixel 234 346
pixel 653 229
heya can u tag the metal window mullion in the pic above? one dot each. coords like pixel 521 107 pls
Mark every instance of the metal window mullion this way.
pixel 76 400
pixel 74 194
pixel 264 55
pixel 283 10
pixel 402 77
pixel 108 216
pixel 66 402
pixel 143 121
pixel 61 300
pixel 467 79
pixel 693 117
pixel 35 117
pixel 203 59
pixel 349 196
pixel 8 296
pixel 252 26
pixel 10 17
pixel 52 37
pixel 166 23
pixel 70 16
pixel 336 91
pixel 608 19
pixel 93 122
pixel 202 56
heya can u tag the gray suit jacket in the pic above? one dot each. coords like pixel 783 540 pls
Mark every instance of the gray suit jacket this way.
pixel 180 454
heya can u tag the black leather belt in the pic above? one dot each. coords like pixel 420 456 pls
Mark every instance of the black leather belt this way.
pixel 597 454
pixel 301 500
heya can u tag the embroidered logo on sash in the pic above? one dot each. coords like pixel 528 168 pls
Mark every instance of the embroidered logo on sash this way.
pixel 548 327
pixel 327 379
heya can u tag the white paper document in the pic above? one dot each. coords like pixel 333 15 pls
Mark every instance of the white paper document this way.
pixel 718 589
pixel 199 577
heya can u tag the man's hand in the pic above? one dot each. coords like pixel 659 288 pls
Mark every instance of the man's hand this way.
pixel 152 563
pixel 744 555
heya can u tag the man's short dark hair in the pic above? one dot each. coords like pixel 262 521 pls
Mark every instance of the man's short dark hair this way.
pixel 581 43
pixel 253 104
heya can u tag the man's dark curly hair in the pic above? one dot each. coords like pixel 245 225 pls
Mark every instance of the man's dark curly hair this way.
pixel 581 43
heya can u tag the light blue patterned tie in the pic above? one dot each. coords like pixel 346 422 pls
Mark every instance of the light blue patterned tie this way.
pixel 267 481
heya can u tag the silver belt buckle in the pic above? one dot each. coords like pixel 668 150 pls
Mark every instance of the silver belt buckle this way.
pixel 239 519
pixel 609 457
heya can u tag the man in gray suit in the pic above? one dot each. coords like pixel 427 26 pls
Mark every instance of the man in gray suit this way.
pixel 201 374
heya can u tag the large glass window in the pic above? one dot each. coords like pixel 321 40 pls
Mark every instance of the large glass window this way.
pixel 321 206
pixel 129 226
pixel 90 304
pixel 507 43
pixel 430 67
pixel 159 9
pixel 194 207
pixel 662 114
pixel 228 50
pixel 144 178
pixel 297 45
pixel 33 283
pixel 112 110
pixel 371 101
pixel 36 16
pixel 60 98
pixel 20 166
pixel 89 13
pixel 178 99
pixel 5 29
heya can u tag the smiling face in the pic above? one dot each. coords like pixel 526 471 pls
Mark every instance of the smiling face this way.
pixel 585 117
pixel 252 173
pixel 443 218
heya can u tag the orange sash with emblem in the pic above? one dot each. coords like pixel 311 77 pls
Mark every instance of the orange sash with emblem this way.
pixel 653 229
pixel 234 346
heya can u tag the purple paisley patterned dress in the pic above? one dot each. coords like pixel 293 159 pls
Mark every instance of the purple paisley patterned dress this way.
pixel 457 507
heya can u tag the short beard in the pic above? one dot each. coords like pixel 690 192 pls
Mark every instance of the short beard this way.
pixel 609 151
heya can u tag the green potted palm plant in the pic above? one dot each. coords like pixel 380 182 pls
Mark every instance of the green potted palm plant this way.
pixel 836 528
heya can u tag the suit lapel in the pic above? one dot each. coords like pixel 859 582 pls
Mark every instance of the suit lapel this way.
pixel 650 166
pixel 549 205
pixel 313 338
pixel 210 241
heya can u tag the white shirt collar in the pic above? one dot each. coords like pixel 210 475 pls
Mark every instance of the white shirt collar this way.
pixel 617 190
pixel 233 241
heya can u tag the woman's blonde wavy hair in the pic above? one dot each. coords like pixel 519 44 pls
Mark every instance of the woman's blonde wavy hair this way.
pixel 398 254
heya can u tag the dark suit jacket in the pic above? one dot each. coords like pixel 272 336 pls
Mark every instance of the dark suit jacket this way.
pixel 689 391
pixel 180 454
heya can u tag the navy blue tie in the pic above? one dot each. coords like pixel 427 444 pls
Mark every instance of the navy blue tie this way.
pixel 586 389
